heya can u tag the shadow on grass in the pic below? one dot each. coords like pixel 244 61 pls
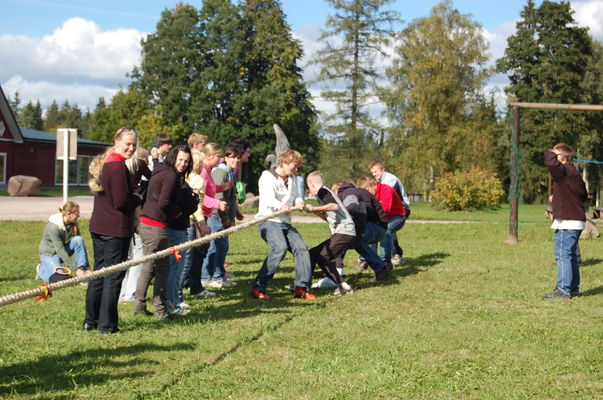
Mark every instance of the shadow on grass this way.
pixel 61 371
pixel 589 262
pixel 592 292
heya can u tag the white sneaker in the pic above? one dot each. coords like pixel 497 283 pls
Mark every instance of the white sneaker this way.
pixel 396 259
pixel 343 289
pixel 324 283
pixel 184 305
pixel 38 272
pixel 341 272
pixel 205 293
pixel 180 311
pixel 212 284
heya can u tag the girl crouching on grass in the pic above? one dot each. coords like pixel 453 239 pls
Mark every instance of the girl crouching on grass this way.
pixel 61 240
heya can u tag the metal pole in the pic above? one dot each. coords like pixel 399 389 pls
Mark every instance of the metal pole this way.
pixel 65 164
pixel 514 188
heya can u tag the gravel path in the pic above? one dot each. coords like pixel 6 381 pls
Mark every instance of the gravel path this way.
pixel 39 208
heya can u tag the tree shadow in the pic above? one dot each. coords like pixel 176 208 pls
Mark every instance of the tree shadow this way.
pixel 55 372
pixel 592 292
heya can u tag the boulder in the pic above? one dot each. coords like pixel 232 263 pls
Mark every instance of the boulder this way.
pixel 22 185
pixel 590 231
pixel 251 201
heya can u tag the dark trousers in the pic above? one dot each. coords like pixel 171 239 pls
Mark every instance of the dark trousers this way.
pixel 103 293
pixel 327 253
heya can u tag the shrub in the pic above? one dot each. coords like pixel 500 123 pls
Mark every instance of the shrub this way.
pixel 467 190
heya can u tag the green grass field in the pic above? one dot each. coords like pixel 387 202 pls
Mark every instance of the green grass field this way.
pixel 463 319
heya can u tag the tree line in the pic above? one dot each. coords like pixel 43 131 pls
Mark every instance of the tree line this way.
pixel 415 97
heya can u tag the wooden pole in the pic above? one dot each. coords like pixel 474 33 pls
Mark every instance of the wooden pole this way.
pixel 575 107
pixel 514 187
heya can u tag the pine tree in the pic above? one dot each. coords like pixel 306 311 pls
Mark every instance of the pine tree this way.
pixel 30 116
pixel 355 37
pixel 53 118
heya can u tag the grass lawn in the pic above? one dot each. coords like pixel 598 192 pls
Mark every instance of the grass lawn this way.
pixel 463 319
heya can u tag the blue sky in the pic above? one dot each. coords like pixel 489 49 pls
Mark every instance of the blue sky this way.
pixel 79 50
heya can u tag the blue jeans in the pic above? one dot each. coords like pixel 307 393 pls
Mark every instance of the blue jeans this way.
pixel 174 289
pixel 74 246
pixel 282 237
pixel 193 261
pixel 393 226
pixel 213 265
pixel 373 234
pixel 566 254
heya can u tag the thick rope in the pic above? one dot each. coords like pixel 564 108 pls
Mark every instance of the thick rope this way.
pixel 39 291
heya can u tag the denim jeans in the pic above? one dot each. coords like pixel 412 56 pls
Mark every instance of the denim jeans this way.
pixel 193 261
pixel 282 237
pixel 74 246
pixel 568 266
pixel 213 265
pixel 128 286
pixel 373 234
pixel 174 288
pixel 393 226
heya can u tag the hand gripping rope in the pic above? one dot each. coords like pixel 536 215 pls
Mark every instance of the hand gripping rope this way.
pixel 45 291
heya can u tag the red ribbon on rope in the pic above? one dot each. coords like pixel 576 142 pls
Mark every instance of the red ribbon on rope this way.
pixel 44 295
pixel 176 253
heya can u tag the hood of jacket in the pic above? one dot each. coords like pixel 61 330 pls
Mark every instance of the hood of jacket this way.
pixel 57 219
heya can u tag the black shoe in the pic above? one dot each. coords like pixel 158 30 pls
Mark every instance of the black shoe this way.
pixel 143 312
pixel 557 294
pixel 384 274
pixel 108 331
pixel 167 316
pixel 90 327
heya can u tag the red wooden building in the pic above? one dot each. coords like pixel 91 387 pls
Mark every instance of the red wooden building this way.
pixel 31 152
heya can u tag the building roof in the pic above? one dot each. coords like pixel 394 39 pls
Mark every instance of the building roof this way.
pixel 32 135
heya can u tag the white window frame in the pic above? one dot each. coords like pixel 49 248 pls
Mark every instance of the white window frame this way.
pixel 78 175
pixel 3 177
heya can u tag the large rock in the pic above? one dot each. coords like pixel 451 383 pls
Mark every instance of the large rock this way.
pixel 251 201
pixel 22 185
pixel 590 231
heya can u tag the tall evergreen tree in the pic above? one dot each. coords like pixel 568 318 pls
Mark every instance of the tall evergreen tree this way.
pixel 53 119
pixel 441 119
pixel 355 37
pixel 546 61
pixel 30 116
pixel 15 104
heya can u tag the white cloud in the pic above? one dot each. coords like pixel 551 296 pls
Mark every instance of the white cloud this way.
pixel 79 59
pixel 590 13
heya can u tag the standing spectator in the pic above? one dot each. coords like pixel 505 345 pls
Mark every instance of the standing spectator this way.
pixel 111 228
pixel 394 209
pixel 378 171
pixel 61 240
pixel 164 203
pixel 569 219
pixel 278 191
pixel 139 170
pixel 163 144
pixel 212 272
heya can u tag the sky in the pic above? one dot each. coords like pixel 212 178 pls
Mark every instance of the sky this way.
pixel 80 50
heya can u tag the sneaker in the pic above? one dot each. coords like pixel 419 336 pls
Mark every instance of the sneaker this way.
pixel 184 305
pixel 227 283
pixel 229 275
pixel 205 282
pixel 143 312
pixel 38 272
pixel 342 272
pixel 302 293
pixel 397 259
pixel 384 274
pixel 361 266
pixel 205 293
pixel 180 311
pixel 167 316
pixel 324 283
pixel 557 294
pixel 256 294
pixel 343 289
pixel 290 287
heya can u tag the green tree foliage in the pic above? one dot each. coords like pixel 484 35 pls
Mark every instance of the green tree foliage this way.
pixel 228 71
pixel 15 104
pixel 354 39
pixel 52 120
pixel 546 61
pixel 30 116
pixel 441 119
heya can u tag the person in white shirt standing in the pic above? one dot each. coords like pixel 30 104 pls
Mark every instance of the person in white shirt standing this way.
pixel 278 191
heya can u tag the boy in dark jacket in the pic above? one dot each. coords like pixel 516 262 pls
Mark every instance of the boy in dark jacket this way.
pixel 569 219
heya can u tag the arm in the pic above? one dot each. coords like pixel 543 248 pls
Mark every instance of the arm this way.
pixel 555 167
pixel 266 189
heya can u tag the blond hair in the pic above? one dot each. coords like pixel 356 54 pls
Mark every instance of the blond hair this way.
pixel 376 163
pixel 316 177
pixel 196 138
pixel 211 149
pixel 95 168
pixel 197 157
pixel 565 151
pixel 290 156
pixel 365 182
pixel 71 207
